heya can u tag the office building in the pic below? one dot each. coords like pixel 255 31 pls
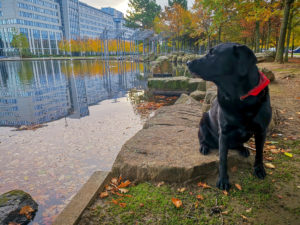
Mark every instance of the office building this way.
pixel 46 22
pixel 39 20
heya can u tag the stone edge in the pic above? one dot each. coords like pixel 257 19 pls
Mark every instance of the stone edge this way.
pixel 83 199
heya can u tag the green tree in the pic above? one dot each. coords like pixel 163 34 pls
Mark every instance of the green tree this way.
pixel 183 3
pixel 20 42
pixel 142 13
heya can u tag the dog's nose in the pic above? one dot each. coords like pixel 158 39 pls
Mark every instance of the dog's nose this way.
pixel 188 63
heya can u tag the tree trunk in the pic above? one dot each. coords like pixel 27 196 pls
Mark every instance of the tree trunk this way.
pixel 257 36
pixel 283 28
pixel 219 36
pixel 293 43
pixel 286 57
pixel 268 34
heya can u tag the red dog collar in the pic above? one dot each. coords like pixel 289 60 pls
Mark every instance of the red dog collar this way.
pixel 263 82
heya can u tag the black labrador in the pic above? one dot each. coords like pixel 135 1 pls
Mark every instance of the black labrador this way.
pixel 242 107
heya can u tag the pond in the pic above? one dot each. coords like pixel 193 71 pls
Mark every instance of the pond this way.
pixel 87 113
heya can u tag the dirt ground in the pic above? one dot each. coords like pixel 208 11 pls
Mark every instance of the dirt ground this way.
pixel 274 200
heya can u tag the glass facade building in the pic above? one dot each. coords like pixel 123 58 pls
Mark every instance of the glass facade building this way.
pixel 46 22
pixel 39 20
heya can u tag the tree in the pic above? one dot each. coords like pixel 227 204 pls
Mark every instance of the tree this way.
pixel 283 28
pixel 20 42
pixel 183 3
pixel 142 13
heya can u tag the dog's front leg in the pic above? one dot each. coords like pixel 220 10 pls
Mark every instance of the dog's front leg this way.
pixel 223 182
pixel 259 169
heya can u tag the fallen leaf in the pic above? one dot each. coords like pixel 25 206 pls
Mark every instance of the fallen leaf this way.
pixel 123 190
pixel 204 185
pixel 275 151
pixel 291 118
pixel 200 197
pixel 114 201
pixel 244 217
pixel 279 196
pixel 117 193
pixel 108 188
pixel 27 210
pixel 177 202
pixel 298 113
pixel 142 205
pixel 270 165
pixel 129 196
pixel 181 190
pixel 120 179
pixel 238 186
pixel 124 184
pixel 249 210
pixel 114 181
pixel 225 212
pixel 123 205
pixel 225 192
pixel 104 194
pixel 288 154
pixel 160 184
pixel 196 204
pixel 298 186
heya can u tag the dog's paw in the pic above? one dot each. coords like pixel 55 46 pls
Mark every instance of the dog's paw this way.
pixel 223 184
pixel 204 149
pixel 259 171
pixel 244 152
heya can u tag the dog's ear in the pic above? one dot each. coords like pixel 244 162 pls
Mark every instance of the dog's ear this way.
pixel 246 58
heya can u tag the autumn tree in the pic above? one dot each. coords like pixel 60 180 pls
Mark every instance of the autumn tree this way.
pixel 183 3
pixel 142 13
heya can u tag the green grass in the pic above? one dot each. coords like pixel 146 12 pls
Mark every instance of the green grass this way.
pixel 150 204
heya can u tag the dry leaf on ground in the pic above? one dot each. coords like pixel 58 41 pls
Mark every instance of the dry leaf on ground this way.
pixel 270 165
pixel 238 186
pixel 104 194
pixel 160 184
pixel 123 190
pixel 123 205
pixel 124 184
pixel 225 192
pixel 114 181
pixel 288 154
pixel 181 190
pixel 27 210
pixel 177 202
pixel 204 185
pixel 200 197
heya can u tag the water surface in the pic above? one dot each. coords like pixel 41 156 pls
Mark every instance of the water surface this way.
pixel 87 114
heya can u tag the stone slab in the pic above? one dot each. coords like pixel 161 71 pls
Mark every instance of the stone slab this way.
pixel 167 149
pixel 71 214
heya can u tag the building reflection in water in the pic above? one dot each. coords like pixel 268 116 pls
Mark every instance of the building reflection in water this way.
pixel 35 92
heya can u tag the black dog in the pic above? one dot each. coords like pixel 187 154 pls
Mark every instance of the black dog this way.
pixel 242 108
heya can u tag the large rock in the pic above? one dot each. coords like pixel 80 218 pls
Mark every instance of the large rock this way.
pixel 161 66
pixel 175 85
pixel 266 56
pixel 18 207
pixel 269 74
pixel 198 95
pixel 167 149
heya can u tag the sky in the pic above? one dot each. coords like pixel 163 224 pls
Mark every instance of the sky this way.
pixel 122 5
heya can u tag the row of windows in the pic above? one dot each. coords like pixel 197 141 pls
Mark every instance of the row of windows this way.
pixel 43 3
pixel 1 13
pixel 38 17
pixel 108 20
pixel 37 9
pixel 37 24
pixel 99 24
pixel 8 101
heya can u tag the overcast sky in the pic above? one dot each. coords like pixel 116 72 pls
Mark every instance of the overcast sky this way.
pixel 121 5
